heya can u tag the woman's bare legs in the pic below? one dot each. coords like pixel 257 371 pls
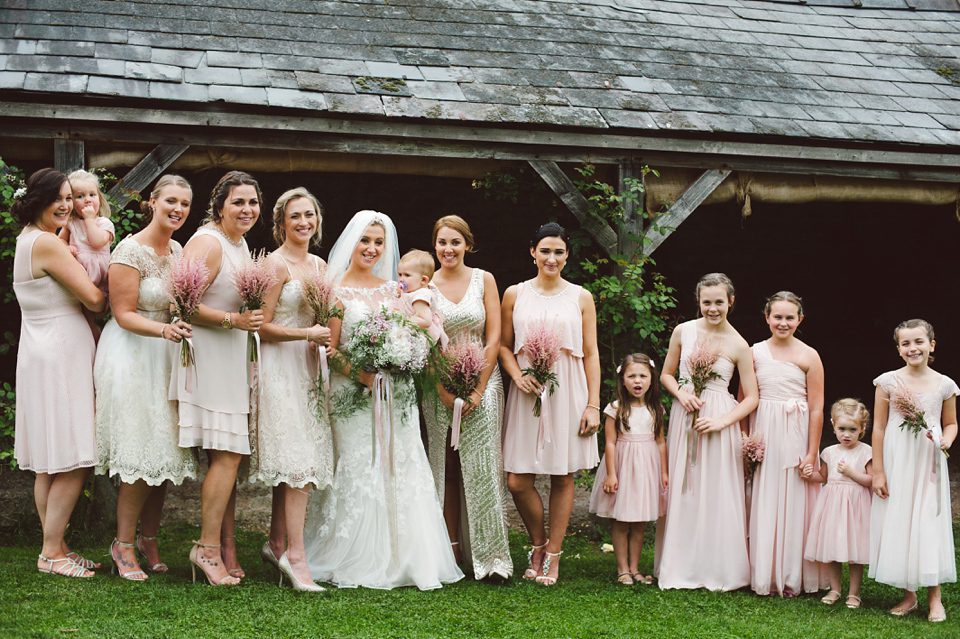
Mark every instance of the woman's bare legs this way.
pixel 55 496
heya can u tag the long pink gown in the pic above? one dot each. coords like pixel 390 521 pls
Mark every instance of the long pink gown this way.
pixel 566 451
pixel 781 501
pixel 703 540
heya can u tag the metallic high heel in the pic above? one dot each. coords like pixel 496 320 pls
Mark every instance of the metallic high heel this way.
pixel 233 572
pixel 157 567
pixel 195 559
pixel 530 572
pixel 266 554
pixel 132 575
pixel 543 579
pixel 287 569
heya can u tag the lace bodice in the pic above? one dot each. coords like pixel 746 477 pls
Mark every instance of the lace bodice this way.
pixel 358 303
pixel 153 302
pixel 468 318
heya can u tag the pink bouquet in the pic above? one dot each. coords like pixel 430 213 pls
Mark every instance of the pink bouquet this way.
pixel 753 452
pixel 542 344
pixel 253 279
pixel 461 378
pixel 705 354
pixel 185 283
pixel 320 294
pixel 905 402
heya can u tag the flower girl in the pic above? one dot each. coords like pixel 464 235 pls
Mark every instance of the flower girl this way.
pixel 632 477
pixel 915 422
pixel 839 527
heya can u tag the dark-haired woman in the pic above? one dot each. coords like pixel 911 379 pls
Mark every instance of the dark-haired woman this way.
pixel 137 431
pixel 55 434
pixel 214 413
pixel 565 440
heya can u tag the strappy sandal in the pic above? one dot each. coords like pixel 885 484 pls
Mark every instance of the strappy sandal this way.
pixel 195 562
pixel 157 567
pixel 625 578
pixel 830 600
pixel 237 572
pixel 544 579
pixel 643 579
pixel 855 603
pixel 130 575
pixel 65 567
pixel 531 572
pixel 82 561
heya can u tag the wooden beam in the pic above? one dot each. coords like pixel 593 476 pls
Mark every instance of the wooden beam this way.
pixel 67 155
pixel 686 204
pixel 567 191
pixel 146 171
pixel 632 211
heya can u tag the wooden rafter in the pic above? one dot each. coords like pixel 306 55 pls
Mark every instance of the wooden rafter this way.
pixel 146 171
pixel 686 204
pixel 567 191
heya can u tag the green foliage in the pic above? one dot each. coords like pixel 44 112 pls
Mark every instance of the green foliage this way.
pixel 126 221
pixel 11 179
pixel 8 422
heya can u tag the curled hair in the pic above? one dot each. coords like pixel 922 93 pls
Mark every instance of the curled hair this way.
pixel 715 279
pixel 221 192
pixel 43 189
pixel 651 399
pixel 421 261
pixel 280 212
pixel 165 180
pixel 550 229
pixel 851 409
pixel 783 296
pixel 86 176
pixel 459 225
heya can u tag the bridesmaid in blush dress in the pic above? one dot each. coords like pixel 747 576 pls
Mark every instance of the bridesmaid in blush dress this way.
pixel 789 419
pixel 571 414
pixel 55 435
pixel 703 543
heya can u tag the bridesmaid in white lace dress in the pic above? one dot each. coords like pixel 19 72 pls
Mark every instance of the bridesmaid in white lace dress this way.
pixel 214 414
pixel 380 524
pixel 291 447
pixel 476 468
pixel 54 430
pixel 137 431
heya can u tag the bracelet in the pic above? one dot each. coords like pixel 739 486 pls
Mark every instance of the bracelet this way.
pixel 162 331
pixel 479 394
pixel 592 406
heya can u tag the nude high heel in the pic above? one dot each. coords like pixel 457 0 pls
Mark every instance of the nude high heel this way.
pixel 199 562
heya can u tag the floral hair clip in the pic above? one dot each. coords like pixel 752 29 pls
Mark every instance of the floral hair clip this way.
pixel 652 363
pixel 19 193
pixel 618 369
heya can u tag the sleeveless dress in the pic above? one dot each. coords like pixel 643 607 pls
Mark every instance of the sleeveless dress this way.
pixel 911 546
pixel 379 524
pixel 840 524
pixel 484 535
pixel 640 490
pixel 430 295
pixel 567 451
pixel 215 415
pixel 94 261
pixel 290 443
pixel 781 501
pixel 54 426
pixel 137 425
pixel 703 543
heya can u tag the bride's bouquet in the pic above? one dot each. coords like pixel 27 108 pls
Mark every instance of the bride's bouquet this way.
pixel 185 283
pixel 389 341
pixel 253 279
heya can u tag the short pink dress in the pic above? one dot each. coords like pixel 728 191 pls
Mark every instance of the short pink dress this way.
pixel 566 451
pixel 426 294
pixel 94 261
pixel 840 524
pixel 640 494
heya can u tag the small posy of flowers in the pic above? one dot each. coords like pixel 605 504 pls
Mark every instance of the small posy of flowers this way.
pixel 466 362
pixel 253 279
pixel 320 293
pixel 905 402
pixel 753 451
pixel 185 283
pixel 702 360
pixel 542 343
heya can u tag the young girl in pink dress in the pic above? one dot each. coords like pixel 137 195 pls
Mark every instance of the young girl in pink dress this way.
pixel 418 298
pixel 788 419
pixel 633 474
pixel 911 535
pixel 703 543
pixel 840 524
pixel 89 233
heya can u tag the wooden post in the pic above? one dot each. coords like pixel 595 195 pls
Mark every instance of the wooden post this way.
pixel 67 155
pixel 632 211
pixel 696 193
pixel 567 191
pixel 146 171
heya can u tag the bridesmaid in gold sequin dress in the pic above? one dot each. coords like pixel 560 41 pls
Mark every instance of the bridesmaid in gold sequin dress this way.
pixel 471 476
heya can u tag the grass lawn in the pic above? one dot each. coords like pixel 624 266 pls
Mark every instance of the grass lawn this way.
pixel 585 603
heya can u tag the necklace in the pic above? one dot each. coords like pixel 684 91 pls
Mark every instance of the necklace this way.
pixel 237 243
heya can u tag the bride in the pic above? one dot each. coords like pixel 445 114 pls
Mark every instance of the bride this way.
pixel 379 524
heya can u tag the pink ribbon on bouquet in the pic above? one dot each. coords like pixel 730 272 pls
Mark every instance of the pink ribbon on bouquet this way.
pixel 253 362
pixel 693 440
pixel 937 468
pixel 795 435
pixel 322 370
pixel 383 421
pixel 455 427
pixel 543 434
pixel 187 345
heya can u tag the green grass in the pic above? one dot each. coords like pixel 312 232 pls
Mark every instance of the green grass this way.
pixel 585 603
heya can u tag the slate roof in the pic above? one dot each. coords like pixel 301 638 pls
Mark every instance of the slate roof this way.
pixel 713 68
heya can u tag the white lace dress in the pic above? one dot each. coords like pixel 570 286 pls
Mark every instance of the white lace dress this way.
pixel 137 426
pixel 290 442
pixel 380 523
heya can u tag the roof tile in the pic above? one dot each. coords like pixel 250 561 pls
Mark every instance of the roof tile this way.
pixel 124 87
pixel 342 103
pixel 296 99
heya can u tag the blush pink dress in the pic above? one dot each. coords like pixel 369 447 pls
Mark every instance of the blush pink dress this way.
pixel 95 261
pixel 703 542
pixel 55 431
pixel 566 451
pixel 640 494
pixel 781 502
pixel 840 524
